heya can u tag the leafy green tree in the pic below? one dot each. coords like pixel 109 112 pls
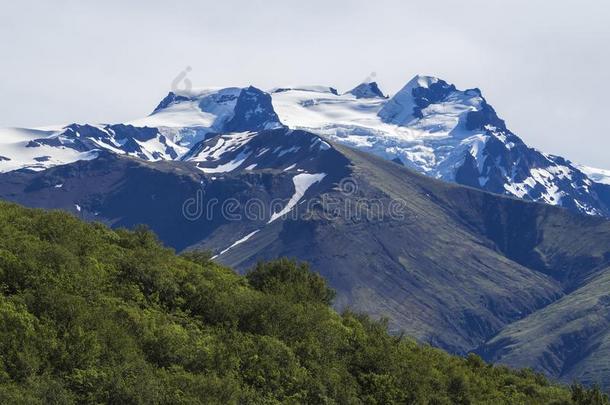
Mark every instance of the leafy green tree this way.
pixel 292 280
pixel 91 315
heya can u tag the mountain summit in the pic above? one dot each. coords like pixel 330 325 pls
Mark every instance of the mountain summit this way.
pixel 367 90
pixel 454 135
pixel 429 125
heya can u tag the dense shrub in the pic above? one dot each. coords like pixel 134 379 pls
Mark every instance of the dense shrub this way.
pixel 92 315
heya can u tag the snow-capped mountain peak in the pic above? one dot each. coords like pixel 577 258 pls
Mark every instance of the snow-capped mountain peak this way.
pixel 422 81
pixel 171 98
pixel 367 90
pixel 253 111
pixel 455 135
pixel 419 93
pixel 189 116
pixel 429 125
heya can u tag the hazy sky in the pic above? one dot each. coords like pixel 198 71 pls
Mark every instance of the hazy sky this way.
pixel 544 65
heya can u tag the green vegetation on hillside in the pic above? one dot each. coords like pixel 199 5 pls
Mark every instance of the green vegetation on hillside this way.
pixel 93 315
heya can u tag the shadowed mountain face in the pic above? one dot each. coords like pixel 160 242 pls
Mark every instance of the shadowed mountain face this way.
pixel 457 267
pixel 568 339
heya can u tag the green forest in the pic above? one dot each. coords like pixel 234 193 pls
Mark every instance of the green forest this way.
pixel 92 315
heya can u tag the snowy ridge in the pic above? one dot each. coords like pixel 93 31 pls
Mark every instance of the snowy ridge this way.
pixel 597 175
pixel 446 133
pixel 190 116
pixel 16 151
pixel 39 150
pixel 429 125
pixel 424 145
pixel 280 149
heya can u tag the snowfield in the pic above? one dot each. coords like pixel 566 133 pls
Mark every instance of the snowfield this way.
pixel 15 153
pixel 597 175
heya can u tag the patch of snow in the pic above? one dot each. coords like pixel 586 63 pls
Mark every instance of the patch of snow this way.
pixel 290 150
pixel 225 143
pixel 539 178
pixel 302 182
pixel 226 167
pixel 262 152
pixel 156 147
pixel 237 242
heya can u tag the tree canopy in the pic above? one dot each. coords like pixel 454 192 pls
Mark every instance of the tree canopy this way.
pixel 94 315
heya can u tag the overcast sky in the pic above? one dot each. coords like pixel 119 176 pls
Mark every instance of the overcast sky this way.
pixel 544 65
